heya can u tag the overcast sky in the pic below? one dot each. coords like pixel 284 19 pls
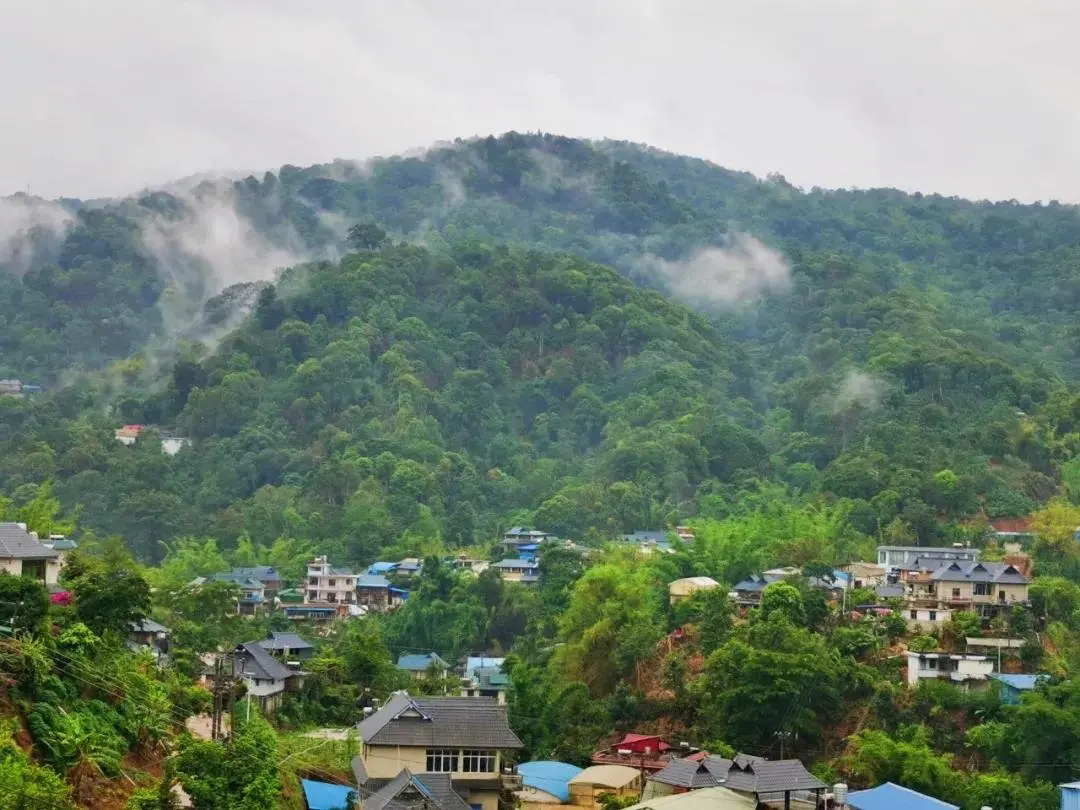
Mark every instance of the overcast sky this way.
pixel 101 97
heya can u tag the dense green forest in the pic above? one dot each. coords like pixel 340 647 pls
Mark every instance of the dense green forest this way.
pixel 409 355
pixel 915 366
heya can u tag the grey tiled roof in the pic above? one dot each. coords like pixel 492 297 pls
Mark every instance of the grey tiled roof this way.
pixel 746 774
pixel 765 776
pixel 16 543
pixel 687 773
pixel 469 722
pixel 263 573
pixel 148 626
pixel 979 572
pixel 285 641
pixel 422 791
pixel 252 660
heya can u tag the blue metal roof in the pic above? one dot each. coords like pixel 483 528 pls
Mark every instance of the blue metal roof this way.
pixel 381 567
pixel 420 662
pixel 1021 683
pixel 895 797
pixel 372 581
pixel 550 777
pixel 326 796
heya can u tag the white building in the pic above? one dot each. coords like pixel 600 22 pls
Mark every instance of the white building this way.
pixel 329 585
pixel 926 620
pixel 966 671
pixel 895 558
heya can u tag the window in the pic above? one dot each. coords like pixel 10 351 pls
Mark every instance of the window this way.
pixel 476 760
pixel 312 595
pixel 933 615
pixel 956 593
pixel 313 581
pixel 931 663
pixel 982 589
pixel 441 760
pixel 914 614
pixel 332 583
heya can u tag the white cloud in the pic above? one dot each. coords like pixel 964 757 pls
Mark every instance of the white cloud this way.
pixel 857 389
pixel 742 271
pixel 24 222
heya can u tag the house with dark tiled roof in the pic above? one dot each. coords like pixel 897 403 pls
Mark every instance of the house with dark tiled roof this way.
pixel 252 597
pixel 766 780
pixel 460 739
pixel 289 648
pixel 264 676
pixel 267 575
pixel 410 791
pixel 23 555
pixel 985 587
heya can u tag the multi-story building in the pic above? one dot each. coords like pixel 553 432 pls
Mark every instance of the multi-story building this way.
pixel 524 571
pixel 966 671
pixel 983 587
pixel 328 585
pixel 896 558
pixel 467 738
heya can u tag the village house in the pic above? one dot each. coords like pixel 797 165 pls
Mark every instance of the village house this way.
pixel 23 555
pixel 146 634
pixel 414 791
pixel 896 558
pixel 1014 686
pixel 289 648
pixel 969 672
pixel 768 781
pixel 265 574
pixel 864 574
pixel 747 593
pixel 326 585
pixel 983 587
pixel 522 536
pixel 264 676
pixel 545 782
pixel 484 677
pixel 374 592
pixel 646 752
pixel 252 597
pixel 473 566
pixel 524 571
pixel 682 589
pixel 464 739
pixel 408 567
pixel 419 665
pixel 588 788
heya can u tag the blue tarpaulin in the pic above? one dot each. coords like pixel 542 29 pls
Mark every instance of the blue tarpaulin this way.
pixel 326 796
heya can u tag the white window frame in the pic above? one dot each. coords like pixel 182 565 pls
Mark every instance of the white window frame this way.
pixel 478 760
pixel 442 760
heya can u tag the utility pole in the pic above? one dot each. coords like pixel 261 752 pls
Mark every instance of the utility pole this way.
pixel 215 723
pixel 231 680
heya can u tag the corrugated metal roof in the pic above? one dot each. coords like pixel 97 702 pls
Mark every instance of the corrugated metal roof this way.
pixel 612 776
pixel 895 797
pixel 711 798
pixel 285 641
pixel 421 662
pixel 548 776
pixel 1020 682
pixel 326 796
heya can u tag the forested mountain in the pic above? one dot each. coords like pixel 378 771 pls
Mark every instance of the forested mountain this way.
pixel 906 358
